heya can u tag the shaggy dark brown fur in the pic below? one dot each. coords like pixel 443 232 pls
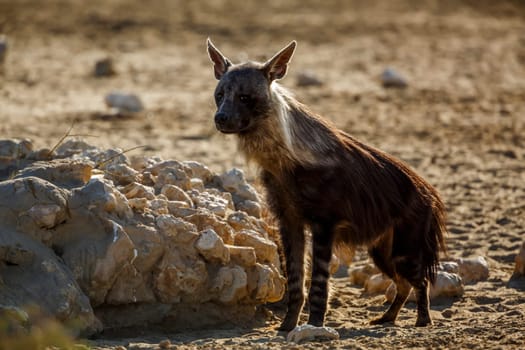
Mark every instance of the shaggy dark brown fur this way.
pixel 344 191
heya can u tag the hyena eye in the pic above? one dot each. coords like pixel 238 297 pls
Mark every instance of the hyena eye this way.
pixel 245 99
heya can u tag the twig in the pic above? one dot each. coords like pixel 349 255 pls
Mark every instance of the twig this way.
pixel 61 140
pixel 97 166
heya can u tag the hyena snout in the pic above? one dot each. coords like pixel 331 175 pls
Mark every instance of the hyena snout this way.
pixel 228 123
pixel 221 119
pixel 225 123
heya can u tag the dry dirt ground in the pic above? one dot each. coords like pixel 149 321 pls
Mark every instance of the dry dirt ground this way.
pixel 460 122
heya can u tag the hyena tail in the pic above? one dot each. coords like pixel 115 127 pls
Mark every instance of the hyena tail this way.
pixel 434 238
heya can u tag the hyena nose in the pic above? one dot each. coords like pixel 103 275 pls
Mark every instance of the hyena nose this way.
pixel 221 118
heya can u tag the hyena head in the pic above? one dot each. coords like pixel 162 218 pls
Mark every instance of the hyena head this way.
pixel 243 94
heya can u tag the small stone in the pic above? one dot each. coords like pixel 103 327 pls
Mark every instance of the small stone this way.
pixel 473 270
pixel 124 103
pixel 308 78
pixel 199 170
pixel 159 206
pixel 449 266
pixel 265 249
pixel 15 149
pixel 447 313
pixel 447 285
pixel 308 332
pixel 165 344
pixel 137 190
pixel 360 274
pixel 205 200
pixel 104 68
pixel 251 208
pixel 233 181
pixel 175 193
pixel 377 283
pixel 197 184
pixel 390 78
pixel 121 174
pixel 139 204
pixel 232 282
pixel 212 247
pixel 244 256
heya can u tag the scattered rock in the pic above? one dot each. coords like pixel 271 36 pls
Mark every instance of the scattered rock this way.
pixel 104 68
pixel 165 344
pixel 377 283
pixel 308 332
pixel 124 103
pixel 390 78
pixel 244 256
pixel 251 208
pixel 359 274
pixel 474 269
pixel 265 249
pixel 308 78
pixel 212 247
pixel 231 283
pixel 447 285
pixel 15 148
pixel 233 181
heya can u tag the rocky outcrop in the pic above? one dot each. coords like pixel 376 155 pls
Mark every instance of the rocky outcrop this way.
pixel 89 233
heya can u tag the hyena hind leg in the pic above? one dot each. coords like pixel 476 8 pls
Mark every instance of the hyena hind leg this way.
pixel 402 290
pixel 413 271
pixel 423 311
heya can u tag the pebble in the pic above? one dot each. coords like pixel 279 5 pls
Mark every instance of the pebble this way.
pixel 165 344
pixel 473 269
pixel 390 78
pixel 104 68
pixel 124 103
pixel 308 332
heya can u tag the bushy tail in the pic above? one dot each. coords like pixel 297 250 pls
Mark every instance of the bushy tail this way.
pixel 435 236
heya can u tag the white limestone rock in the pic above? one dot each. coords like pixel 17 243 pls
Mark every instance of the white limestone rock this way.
pixel 308 332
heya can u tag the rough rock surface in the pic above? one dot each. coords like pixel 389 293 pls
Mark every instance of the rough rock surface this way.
pixel 308 332
pixel 89 232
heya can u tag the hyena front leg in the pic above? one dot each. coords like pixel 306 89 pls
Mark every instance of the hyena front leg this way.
pixel 322 238
pixel 292 236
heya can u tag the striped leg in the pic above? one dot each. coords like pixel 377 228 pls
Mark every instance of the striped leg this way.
pixel 292 237
pixel 423 312
pixel 321 254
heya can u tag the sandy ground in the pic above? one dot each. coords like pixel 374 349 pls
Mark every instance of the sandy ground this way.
pixel 460 123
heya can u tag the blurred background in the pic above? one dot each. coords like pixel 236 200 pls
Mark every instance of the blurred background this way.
pixel 460 65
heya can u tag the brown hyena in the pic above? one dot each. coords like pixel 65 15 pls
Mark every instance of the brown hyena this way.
pixel 344 191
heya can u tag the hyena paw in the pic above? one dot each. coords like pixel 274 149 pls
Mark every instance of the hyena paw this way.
pixel 382 320
pixel 423 322
pixel 287 325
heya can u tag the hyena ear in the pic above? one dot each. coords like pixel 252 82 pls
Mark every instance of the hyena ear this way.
pixel 220 62
pixel 275 67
